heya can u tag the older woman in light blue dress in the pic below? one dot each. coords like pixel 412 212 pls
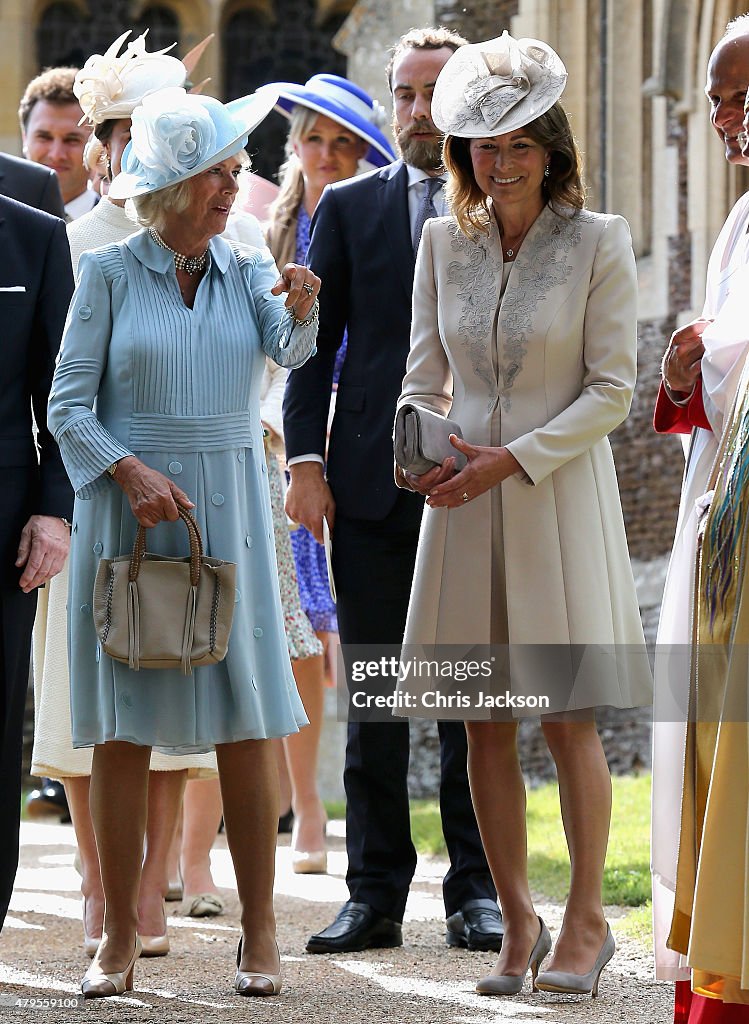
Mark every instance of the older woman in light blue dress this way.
pixel 156 401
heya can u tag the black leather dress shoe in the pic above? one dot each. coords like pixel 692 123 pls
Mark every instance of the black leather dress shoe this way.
pixel 477 925
pixel 286 822
pixel 48 801
pixel 357 926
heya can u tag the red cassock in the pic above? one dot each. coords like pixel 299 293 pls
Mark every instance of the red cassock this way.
pixel 692 1009
pixel 669 418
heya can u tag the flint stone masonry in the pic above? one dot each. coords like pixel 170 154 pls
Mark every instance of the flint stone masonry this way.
pixel 370 31
pixel 483 19
pixel 649 466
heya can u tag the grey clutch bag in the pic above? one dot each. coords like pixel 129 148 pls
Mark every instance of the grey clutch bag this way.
pixel 421 439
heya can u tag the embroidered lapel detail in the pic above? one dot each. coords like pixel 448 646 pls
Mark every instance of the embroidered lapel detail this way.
pixel 477 273
pixel 541 265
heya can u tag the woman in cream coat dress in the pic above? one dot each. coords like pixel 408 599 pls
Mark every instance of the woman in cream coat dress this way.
pixel 524 333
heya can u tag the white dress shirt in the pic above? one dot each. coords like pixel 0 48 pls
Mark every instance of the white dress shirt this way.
pixel 83 203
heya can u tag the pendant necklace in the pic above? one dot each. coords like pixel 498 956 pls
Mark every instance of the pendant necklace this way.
pixel 190 264
pixel 511 251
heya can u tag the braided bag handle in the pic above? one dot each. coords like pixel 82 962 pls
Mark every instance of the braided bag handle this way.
pixel 196 548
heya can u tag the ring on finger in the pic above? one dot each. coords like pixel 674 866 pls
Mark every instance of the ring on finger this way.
pixel 464 496
pixel 308 288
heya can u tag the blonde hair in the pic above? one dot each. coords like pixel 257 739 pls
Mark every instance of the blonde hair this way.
pixel 284 207
pixel 563 187
pixel 150 210
pixel 94 154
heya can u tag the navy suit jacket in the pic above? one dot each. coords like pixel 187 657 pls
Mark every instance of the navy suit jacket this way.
pixel 31 183
pixel 361 249
pixel 36 265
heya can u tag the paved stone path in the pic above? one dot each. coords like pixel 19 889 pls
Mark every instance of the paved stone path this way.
pixel 41 957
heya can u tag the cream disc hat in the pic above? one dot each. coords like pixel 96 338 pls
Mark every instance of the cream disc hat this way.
pixel 176 135
pixel 109 86
pixel 490 88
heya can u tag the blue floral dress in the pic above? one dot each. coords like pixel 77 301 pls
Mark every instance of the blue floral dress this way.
pixel 312 572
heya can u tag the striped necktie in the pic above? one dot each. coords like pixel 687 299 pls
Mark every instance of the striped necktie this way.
pixel 426 209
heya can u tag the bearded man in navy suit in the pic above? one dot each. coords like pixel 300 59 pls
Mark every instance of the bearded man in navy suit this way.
pixel 36 282
pixel 363 248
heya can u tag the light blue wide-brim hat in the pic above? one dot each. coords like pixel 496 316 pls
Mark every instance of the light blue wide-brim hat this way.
pixel 176 135
pixel 344 102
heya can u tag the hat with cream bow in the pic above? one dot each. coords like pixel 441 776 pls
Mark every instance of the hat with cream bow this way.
pixel 495 87
pixel 111 85
pixel 176 135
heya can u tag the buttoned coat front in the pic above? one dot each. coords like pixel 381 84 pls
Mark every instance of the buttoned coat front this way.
pixel 561 379
pixel 143 374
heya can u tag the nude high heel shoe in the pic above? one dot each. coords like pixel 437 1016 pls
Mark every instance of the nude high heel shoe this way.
pixel 308 862
pixel 98 985
pixel 512 984
pixel 579 984
pixel 155 945
pixel 255 983
pixel 176 889
pixel 90 943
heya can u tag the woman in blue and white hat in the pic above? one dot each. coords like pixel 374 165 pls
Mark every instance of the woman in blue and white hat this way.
pixel 334 132
pixel 154 403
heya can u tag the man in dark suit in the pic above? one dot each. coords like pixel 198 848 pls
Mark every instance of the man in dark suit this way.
pixel 48 114
pixel 31 184
pixel 36 282
pixel 364 236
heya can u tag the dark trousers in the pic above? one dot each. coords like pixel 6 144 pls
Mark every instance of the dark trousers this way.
pixel 373 565
pixel 17 612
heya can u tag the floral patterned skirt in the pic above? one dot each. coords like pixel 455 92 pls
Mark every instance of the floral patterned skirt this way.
pixel 300 636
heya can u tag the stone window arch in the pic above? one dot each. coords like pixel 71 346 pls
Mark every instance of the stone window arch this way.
pixel 59 40
pixel 163 27
pixel 287 42
pixel 68 31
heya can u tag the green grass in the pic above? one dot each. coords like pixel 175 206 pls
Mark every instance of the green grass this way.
pixel 638 924
pixel 626 879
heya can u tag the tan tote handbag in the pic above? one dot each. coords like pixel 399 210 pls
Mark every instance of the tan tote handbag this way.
pixel 158 611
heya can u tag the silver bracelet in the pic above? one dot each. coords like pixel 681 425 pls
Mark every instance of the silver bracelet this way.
pixel 312 316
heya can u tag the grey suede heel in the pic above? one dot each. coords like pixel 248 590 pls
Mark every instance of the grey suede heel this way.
pixel 579 984
pixel 512 984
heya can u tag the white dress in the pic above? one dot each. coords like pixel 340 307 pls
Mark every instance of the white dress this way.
pixel 721 369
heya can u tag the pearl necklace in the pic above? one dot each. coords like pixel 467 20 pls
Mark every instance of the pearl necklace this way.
pixel 190 264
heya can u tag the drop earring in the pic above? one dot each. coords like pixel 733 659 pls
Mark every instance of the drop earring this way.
pixel 547 172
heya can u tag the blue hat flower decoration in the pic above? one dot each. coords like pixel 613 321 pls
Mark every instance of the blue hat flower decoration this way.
pixel 176 135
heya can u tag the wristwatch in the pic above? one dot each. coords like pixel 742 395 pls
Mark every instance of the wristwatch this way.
pixel 113 468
